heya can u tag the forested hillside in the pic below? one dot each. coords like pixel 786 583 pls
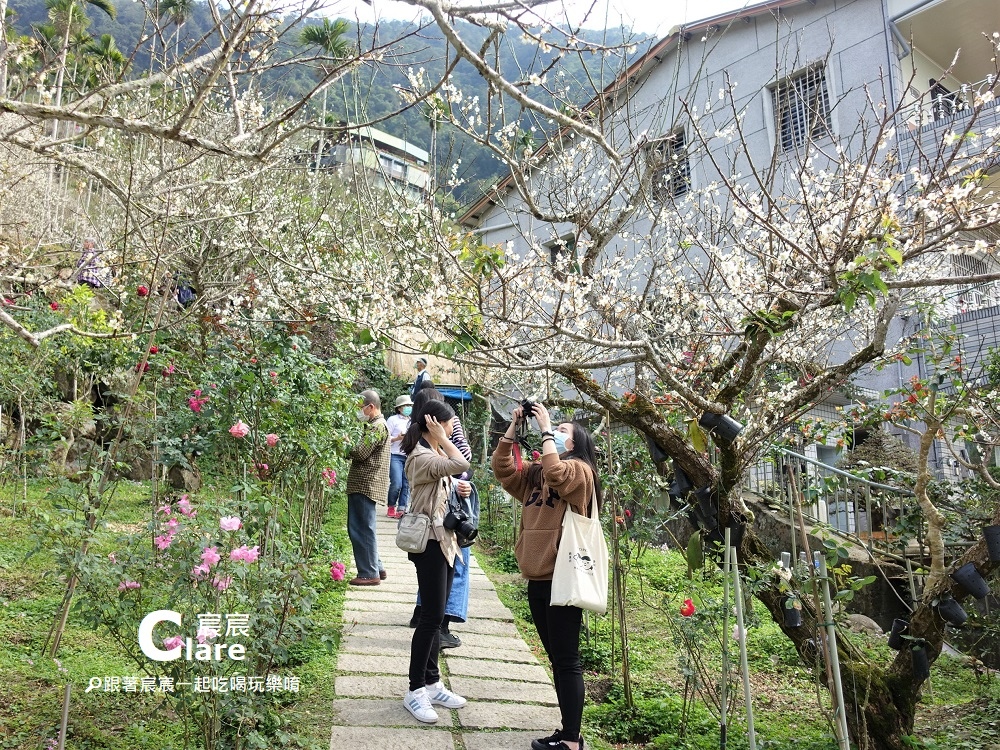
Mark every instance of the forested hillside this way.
pixel 371 93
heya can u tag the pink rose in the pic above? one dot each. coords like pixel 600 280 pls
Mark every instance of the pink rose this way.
pixel 111 558
pixel 329 475
pixel 206 633
pixel 230 523
pixel 239 430
pixel 184 506
pixel 126 585
pixel 222 583
pixel 165 509
pixel 243 554
pixel 163 541
pixel 210 556
pixel 336 574
pixel 174 641
pixel 172 524
pixel 199 570
pixel 271 439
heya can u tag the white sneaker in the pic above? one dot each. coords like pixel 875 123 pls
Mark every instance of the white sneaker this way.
pixel 418 703
pixel 442 696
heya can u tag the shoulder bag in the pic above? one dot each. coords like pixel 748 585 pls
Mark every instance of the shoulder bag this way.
pixel 412 532
pixel 580 577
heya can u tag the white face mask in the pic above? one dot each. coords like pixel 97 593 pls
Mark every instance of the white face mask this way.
pixel 560 440
pixel 362 417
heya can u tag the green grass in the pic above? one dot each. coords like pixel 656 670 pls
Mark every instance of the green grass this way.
pixel 790 708
pixel 31 685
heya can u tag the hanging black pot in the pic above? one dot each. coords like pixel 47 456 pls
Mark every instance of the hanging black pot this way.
pixel 992 536
pixel 921 662
pixel 722 426
pixel 655 451
pixel 792 611
pixel 681 485
pixel 896 641
pixel 951 611
pixel 706 510
pixel 969 579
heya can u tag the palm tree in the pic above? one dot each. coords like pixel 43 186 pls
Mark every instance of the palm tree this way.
pixel 177 12
pixel 107 60
pixel 65 14
pixel 331 38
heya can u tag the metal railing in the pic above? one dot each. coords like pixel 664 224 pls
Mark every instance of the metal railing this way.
pixel 934 108
pixel 879 517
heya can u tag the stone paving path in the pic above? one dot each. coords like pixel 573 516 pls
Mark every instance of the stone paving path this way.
pixel 511 698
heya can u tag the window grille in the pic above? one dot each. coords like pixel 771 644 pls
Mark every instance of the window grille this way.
pixel 671 170
pixel 802 108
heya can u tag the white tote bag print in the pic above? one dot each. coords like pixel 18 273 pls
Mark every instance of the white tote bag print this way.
pixel 580 578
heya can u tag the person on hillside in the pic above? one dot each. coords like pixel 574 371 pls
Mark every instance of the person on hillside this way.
pixel 399 487
pixel 431 460
pixel 457 606
pixel 423 378
pixel 367 480
pixel 565 477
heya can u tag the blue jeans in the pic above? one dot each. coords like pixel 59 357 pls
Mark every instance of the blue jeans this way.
pixel 399 487
pixel 457 606
pixel 361 530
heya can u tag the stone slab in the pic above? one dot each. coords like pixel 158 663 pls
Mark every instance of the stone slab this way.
pixel 500 670
pixel 497 654
pixel 345 738
pixel 482 610
pixel 481 715
pixel 383 618
pixel 372 664
pixel 368 712
pixel 379 593
pixel 486 627
pixel 498 740
pixel 397 645
pixel 365 630
pixel 367 686
pixel 475 688
pixel 480 640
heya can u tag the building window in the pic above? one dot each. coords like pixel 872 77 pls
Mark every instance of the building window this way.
pixel 668 160
pixel 562 255
pixel 802 108
pixel 974 296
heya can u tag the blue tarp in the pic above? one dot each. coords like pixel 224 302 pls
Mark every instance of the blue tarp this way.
pixel 459 394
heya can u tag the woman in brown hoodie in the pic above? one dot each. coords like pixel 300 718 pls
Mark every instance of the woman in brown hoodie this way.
pixel 564 478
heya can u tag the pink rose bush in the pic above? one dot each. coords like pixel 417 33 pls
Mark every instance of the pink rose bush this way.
pixel 174 641
pixel 243 554
pixel 230 523
pixel 239 430
pixel 330 476
pixel 196 401
pixel 337 570
pixel 127 585
pixel 271 439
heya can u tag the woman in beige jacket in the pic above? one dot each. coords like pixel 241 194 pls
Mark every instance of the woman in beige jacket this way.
pixel 431 461
pixel 564 479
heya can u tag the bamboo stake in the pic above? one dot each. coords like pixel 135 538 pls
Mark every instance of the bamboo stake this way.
pixel 724 687
pixel 64 721
pixel 843 738
pixel 738 595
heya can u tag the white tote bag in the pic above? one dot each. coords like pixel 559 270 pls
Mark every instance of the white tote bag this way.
pixel 580 578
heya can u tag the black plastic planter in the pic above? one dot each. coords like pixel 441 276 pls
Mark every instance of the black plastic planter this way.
pixel 655 451
pixel 921 663
pixel 793 612
pixel 723 427
pixel 896 641
pixel 951 612
pixel 969 579
pixel 681 485
pixel 706 510
pixel 992 536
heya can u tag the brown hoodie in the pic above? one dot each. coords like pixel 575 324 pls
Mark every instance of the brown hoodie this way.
pixel 569 482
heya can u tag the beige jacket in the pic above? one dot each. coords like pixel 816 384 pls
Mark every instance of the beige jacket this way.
pixel 429 474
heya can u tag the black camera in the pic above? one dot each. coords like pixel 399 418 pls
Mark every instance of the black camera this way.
pixel 460 523
pixel 528 408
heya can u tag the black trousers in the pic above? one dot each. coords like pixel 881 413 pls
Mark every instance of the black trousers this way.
pixel 434 577
pixel 559 629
